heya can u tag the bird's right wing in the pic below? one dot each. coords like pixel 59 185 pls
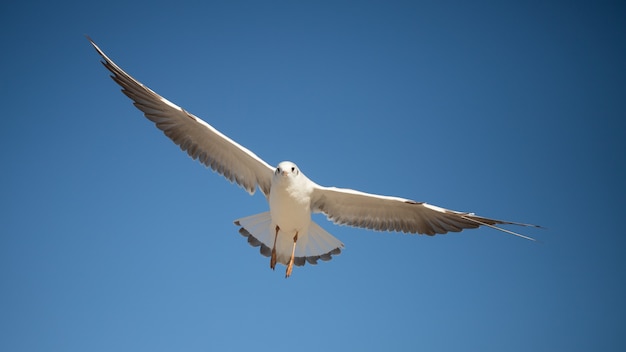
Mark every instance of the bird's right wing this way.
pixel 199 139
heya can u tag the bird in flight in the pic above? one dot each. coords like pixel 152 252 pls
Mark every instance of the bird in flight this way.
pixel 286 232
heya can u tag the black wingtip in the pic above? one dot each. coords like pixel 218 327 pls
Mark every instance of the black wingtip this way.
pixel 92 42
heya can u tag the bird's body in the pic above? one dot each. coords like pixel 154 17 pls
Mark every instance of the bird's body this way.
pixel 286 232
pixel 290 209
pixel 290 198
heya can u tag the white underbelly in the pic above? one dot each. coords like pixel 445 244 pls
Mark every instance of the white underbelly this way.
pixel 290 212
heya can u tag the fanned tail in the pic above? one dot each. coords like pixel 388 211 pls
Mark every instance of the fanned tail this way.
pixel 316 244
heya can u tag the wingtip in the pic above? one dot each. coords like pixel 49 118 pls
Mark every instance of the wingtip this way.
pixel 482 223
pixel 91 41
pixel 98 50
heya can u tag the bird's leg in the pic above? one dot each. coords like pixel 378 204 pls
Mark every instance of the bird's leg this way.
pixel 291 260
pixel 273 258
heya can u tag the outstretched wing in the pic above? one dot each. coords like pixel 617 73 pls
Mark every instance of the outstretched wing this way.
pixel 383 213
pixel 199 139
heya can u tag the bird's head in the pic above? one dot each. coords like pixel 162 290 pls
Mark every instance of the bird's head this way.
pixel 286 169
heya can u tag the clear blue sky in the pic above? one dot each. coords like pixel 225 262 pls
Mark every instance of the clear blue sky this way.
pixel 112 239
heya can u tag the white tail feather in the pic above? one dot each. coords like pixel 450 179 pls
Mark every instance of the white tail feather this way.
pixel 315 244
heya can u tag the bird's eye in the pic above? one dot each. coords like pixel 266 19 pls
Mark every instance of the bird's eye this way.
pixel 293 169
pixel 277 170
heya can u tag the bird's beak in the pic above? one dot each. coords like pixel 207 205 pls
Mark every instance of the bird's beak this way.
pixel 285 173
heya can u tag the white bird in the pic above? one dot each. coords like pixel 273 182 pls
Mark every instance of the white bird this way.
pixel 286 233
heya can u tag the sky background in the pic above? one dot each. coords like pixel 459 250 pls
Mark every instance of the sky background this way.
pixel 112 239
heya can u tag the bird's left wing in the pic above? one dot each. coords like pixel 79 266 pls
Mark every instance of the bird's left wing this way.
pixel 199 139
pixel 384 213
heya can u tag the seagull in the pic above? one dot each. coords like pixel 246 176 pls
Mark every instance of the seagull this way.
pixel 286 232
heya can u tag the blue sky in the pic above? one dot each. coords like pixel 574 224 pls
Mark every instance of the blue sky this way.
pixel 114 240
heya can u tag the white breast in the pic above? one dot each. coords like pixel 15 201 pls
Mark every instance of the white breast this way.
pixel 290 203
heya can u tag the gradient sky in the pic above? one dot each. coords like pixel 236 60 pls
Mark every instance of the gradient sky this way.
pixel 112 239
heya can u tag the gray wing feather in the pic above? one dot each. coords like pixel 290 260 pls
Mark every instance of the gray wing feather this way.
pixel 199 139
pixel 383 213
